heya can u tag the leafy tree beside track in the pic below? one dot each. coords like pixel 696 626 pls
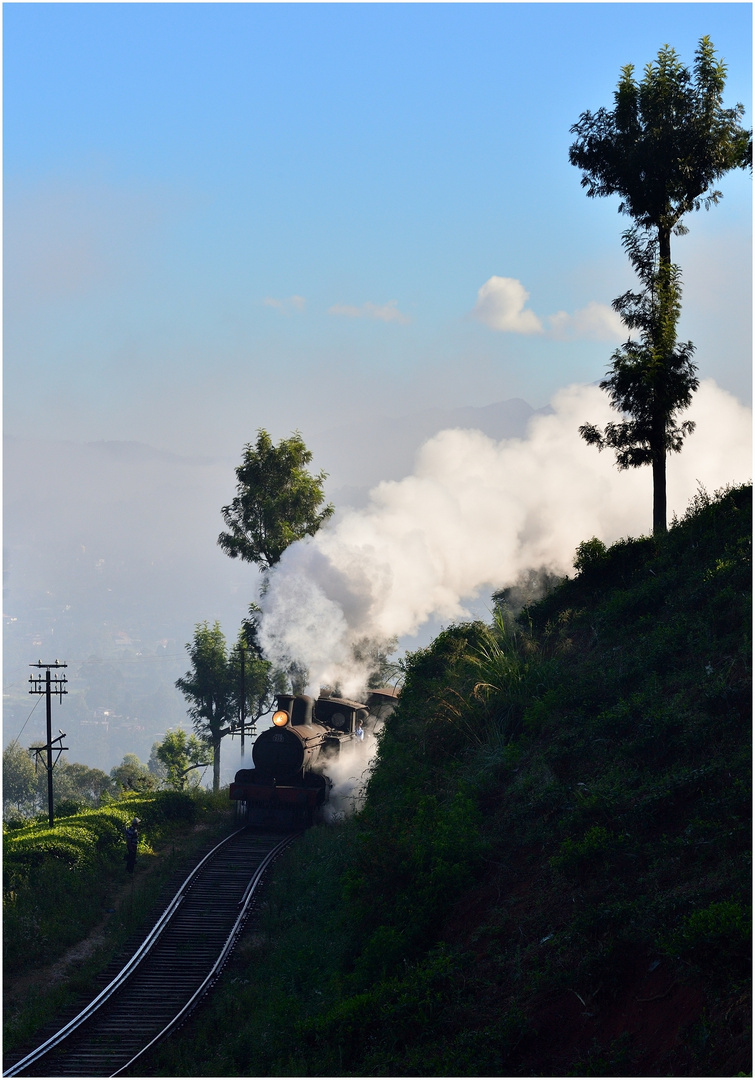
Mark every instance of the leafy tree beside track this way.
pixel 208 689
pixel 177 757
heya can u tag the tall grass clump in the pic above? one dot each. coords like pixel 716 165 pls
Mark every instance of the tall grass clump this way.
pixel 492 684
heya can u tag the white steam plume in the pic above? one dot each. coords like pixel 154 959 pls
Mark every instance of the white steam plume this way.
pixel 475 514
pixel 348 773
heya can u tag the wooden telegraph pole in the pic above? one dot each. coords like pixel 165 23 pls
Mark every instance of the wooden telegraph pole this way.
pixel 243 727
pixel 48 685
pixel 242 700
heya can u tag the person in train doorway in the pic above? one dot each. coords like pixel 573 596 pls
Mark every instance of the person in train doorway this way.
pixel 132 842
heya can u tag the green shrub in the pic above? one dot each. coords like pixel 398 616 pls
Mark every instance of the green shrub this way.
pixel 579 856
pixel 69 808
pixel 590 553
pixel 715 937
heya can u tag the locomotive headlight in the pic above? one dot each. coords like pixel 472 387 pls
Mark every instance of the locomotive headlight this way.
pixel 280 718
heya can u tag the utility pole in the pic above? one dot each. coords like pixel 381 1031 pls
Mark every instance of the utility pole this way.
pixel 244 728
pixel 242 706
pixel 48 685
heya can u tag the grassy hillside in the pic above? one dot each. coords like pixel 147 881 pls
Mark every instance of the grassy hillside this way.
pixel 551 873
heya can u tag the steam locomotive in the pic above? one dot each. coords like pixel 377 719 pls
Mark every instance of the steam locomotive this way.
pixel 289 785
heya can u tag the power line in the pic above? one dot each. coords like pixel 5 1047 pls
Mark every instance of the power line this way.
pixel 109 660
pixel 26 721
pixel 127 660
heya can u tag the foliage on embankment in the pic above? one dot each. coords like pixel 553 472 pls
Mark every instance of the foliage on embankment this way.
pixel 551 873
pixel 56 879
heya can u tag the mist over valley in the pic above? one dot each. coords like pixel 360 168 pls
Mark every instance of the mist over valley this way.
pixel 111 556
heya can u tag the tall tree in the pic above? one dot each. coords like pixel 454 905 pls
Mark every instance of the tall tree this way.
pixel 665 143
pixel 209 690
pixel 277 501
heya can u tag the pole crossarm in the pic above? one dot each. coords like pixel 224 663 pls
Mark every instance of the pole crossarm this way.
pixel 247 729
pixel 38 685
pixel 38 750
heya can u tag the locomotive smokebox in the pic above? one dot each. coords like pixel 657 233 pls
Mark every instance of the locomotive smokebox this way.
pixel 281 753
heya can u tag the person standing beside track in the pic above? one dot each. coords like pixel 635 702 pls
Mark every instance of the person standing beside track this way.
pixel 132 842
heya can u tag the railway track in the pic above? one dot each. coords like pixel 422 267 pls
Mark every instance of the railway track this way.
pixel 172 970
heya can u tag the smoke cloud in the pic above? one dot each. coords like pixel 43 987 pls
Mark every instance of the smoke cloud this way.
pixel 349 773
pixel 475 515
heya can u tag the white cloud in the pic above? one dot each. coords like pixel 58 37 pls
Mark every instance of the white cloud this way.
pixel 501 306
pixel 384 312
pixel 598 322
pixel 297 303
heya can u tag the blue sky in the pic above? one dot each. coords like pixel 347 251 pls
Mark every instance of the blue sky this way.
pixel 226 216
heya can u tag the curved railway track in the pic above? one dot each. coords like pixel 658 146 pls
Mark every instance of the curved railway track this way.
pixel 176 965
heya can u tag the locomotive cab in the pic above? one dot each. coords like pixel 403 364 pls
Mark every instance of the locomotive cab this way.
pixel 340 714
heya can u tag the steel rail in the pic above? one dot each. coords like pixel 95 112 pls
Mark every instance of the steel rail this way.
pixel 146 948
pixel 244 903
